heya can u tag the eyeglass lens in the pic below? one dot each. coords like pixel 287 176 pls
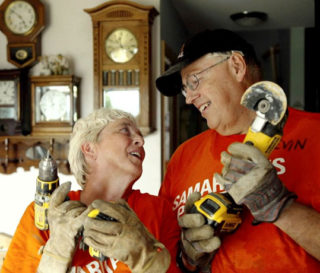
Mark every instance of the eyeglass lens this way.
pixel 192 81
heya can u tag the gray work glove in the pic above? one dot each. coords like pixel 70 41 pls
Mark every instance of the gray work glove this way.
pixel 250 179
pixel 125 239
pixel 65 221
pixel 197 238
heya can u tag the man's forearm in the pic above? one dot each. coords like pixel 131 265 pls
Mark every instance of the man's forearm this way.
pixel 302 224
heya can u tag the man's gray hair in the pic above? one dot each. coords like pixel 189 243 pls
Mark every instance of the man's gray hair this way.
pixel 88 130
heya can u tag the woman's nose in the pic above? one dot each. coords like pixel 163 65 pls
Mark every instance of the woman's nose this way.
pixel 138 140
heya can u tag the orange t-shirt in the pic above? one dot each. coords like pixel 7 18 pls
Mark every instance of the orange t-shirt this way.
pixel 153 211
pixel 261 248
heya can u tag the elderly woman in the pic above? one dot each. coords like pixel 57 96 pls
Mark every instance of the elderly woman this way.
pixel 106 154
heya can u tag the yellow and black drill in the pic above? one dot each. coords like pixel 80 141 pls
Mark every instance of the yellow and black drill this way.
pixel 47 182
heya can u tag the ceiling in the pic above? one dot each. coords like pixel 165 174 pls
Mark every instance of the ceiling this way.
pixel 200 14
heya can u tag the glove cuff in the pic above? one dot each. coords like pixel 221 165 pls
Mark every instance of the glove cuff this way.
pixel 273 213
pixel 267 204
pixel 51 262
pixel 51 257
pixel 202 263
pixel 181 265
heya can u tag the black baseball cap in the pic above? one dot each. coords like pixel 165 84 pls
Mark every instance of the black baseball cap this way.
pixel 208 41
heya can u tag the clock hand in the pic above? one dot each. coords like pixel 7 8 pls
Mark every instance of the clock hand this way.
pixel 20 17
pixel 120 41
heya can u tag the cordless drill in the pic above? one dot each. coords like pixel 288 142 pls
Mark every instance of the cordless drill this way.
pixel 269 102
pixel 47 182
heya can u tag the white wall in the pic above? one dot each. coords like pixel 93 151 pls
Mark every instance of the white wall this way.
pixel 69 32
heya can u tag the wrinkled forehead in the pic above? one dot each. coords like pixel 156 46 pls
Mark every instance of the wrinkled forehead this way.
pixel 200 63
pixel 123 122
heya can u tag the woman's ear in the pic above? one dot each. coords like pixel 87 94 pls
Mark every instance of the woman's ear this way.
pixel 238 66
pixel 89 150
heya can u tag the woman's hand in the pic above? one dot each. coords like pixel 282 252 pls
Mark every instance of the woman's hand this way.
pixel 125 239
pixel 65 221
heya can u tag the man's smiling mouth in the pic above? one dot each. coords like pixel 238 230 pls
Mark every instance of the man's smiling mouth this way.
pixel 204 106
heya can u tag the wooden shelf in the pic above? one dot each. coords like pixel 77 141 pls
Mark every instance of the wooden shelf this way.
pixel 26 151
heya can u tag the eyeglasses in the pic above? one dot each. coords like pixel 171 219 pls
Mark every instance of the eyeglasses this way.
pixel 192 81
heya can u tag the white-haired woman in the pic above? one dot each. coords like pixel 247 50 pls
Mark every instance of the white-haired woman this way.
pixel 106 154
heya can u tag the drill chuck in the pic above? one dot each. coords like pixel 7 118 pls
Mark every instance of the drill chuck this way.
pixel 48 170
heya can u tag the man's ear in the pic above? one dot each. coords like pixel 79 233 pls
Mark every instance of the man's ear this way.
pixel 89 150
pixel 238 66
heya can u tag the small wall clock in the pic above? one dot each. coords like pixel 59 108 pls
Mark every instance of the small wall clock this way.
pixel 22 22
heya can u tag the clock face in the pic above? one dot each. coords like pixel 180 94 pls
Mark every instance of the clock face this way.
pixel 54 105
pixel 20 17
pixel 7 92
pixel 121 45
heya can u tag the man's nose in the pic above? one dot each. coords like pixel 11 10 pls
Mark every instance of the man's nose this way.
pixel 191 96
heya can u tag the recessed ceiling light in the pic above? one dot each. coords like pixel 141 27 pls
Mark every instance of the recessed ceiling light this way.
pixel 249 18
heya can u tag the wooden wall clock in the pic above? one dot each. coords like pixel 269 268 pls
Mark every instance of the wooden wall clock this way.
pixel 122 58
pixel 22 21
pixel 10 107
pixel 55 104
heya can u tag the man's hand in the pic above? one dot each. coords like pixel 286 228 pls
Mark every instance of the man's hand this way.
pixel 65 221
pixel 198 241
pixel 250 179
pixel 126 240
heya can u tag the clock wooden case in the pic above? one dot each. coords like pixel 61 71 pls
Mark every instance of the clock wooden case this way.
pixel 10 107
pixel 122 58
pixel 55 104
pixel 22 22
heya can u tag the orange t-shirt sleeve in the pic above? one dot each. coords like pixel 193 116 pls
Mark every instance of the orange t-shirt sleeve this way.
pixel 167 183
pixel 22 255
pixel 170 235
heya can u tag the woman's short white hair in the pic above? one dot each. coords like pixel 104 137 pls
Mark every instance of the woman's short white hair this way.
pixel 88 130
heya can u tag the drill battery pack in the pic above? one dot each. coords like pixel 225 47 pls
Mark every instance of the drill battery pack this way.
pixel 220 211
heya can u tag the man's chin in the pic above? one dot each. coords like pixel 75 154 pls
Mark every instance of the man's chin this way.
pixel 211 125
pixel 219 129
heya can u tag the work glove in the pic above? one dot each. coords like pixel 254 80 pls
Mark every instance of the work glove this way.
pixel 65 220
pixel 250 179
pixel 198 242
pixel 125 239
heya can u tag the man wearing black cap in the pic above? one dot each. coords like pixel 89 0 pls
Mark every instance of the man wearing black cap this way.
pixel 213 70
